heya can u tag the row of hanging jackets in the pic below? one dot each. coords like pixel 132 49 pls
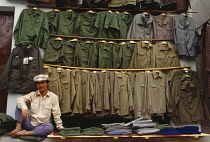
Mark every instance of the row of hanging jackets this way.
pixel 106 54
pixel 127 94
pixel 34 26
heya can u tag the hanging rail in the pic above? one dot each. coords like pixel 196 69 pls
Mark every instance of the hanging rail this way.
pixel 101 69
pixel 51 7
pixel 202 24
pixel 109 38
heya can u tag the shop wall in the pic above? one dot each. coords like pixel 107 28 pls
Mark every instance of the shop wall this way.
pixel 19 5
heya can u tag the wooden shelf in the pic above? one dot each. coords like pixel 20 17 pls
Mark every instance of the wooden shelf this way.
pixel 130 136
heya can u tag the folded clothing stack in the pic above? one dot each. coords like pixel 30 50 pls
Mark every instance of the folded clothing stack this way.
pixel 180 130
pixel 92 131
pixel 73 131
pixel 7 123
pixel 117 129
pixel 143 127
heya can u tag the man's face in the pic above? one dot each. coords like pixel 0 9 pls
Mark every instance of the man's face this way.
pixel 42 86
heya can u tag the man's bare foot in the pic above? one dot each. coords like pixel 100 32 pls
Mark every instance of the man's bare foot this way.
pixel 20 133
pixel 15 131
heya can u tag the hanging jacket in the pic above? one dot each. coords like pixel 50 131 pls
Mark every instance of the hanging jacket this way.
pixel 23 64
pixel 32 28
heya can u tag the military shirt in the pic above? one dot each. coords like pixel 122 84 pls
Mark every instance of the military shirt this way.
pixel 185 35
pixel 54 81
pixel 52 53
pixel 125 94
pixel 157 91
pixel 143 56
pixel 127 53
pixel 67 21
pixel 65 103
pixel 99 23
pixel 67 52
pixel 124 20
pixel 53 18
pixel 140 99
pixel 85 25
pixel 166 56
pixel 186 100
pixel 163 27
pixel 32 28
pixel 112 25
pixel 105 55
pixel 82 54
pixel 141 27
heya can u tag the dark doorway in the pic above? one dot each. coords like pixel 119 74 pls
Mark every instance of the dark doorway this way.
pixel 6 30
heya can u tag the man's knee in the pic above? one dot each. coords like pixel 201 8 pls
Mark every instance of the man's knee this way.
pixel 43 130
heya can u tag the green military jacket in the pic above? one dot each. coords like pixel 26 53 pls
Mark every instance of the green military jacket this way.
pixel 99 23
pixel 53 18
pixel 32 28
pixel 85 24
pixel 68 51
pixel 127 50
pixel 53 52
pixel 67 22
pixel 124 19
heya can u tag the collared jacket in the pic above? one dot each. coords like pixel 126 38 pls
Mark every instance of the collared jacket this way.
pixel 124 19
pixel 53 52
pixel 141 27
pixel 105 55
pixel 186 100
pixel 112 25
pixel 166 56
pixel 32 28
pixel 163 27
pixel 99 24
pixel 67 22
pixel 84 25
pixel 53 18
pixel 157 93
pixel 185 35
pixel 67 53
pixel 143 56
pixel 127 50
pixel 23 64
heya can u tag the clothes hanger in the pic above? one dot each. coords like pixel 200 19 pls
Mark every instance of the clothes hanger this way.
pixel 91 11
pixel 56 10
pixel 88 41
pixel 184 14
pixel 132 42
pixel 103 41
pixel 111 42
pixel 126 12
pixel 58 39
pixel 75 39
pixel 69 11
pixel 122 43
pixel 164 43
pixel 164 14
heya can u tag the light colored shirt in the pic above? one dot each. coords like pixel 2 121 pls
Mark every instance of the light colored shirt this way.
pixel 41 108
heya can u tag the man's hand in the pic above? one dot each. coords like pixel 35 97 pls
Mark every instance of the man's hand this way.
pixel 25 114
